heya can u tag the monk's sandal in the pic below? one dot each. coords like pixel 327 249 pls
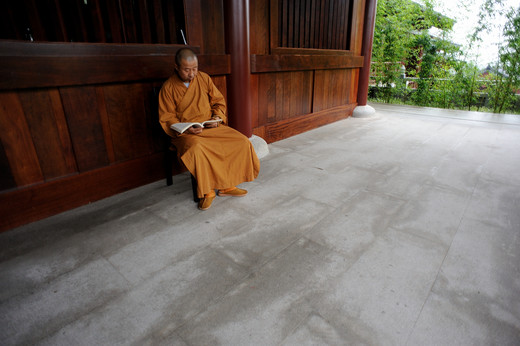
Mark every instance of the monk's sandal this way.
pixel 234 192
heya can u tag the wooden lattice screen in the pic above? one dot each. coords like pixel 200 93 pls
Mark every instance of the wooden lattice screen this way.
pixel 112 21
pixel 318 24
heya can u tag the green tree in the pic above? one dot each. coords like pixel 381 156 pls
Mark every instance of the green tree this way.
pixel 505 79
pixel 508 66
pixel 391 42
pixel 401 38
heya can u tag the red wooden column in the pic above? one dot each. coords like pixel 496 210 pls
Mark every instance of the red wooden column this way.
pixel 366 50
pixel 236 17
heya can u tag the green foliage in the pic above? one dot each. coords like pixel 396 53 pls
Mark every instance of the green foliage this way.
pixel 507 80
pixel 392 41
pixel 400 38
pixel 441 76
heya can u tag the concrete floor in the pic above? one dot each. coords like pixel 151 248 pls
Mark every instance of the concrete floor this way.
pixel 400 229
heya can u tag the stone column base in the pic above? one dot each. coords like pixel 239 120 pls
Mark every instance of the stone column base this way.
pixel 363 111
pixel 260 145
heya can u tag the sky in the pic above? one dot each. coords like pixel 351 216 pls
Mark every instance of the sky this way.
pixel 465 12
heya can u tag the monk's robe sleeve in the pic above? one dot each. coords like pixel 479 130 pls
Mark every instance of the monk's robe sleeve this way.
pixel 217 101
pixel 167 110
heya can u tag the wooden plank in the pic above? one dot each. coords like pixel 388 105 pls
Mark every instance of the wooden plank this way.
pixel 144 19
pixel 307 26
pixel 171 25
pixel 86 131
pixel 266 98
pixel 213 29
pixel 115 23
pixel 39 112
pixel 259 131
pixel 279 98
pixel 105 124
pixel 61 29
pixel 6 177
pixel 296 25
pixel 358 17
pixel 344 21
pixel 155 133
pixel 107 65
pixel 323 24
pixel 127 119
pixel 309 51
pixel 278 63
pixel 65 49
pixel 36 202
pixel 296 96
pixel 327 95
pixel 127 14
pixel 17 141
pixel 347 28
pixel 286 96
pixel 317 16
pixel 290 24
pixel 254 100
pixel 63 130
pixel 8 22
pixel 220 83
pixel 97 20
pixel 194 23
pixel 274 24
pixel 35 21
pixel 299 124
pixel 158 23
pixel 330 24
pixel 318 98
pixel 259 30
pixel 307 92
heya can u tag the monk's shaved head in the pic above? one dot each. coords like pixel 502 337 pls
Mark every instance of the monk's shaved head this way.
pixel 184 54
pixel 186 64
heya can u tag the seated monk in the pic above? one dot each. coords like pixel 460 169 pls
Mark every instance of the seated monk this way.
pixel 218 156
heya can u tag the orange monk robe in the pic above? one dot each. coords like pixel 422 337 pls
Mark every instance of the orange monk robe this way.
pixel 218 157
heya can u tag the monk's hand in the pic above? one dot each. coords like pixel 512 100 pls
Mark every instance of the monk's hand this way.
pixel 194 130
pixel 212 125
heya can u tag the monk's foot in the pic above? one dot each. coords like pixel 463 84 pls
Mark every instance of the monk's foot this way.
pixel 233 192
pixel 205 203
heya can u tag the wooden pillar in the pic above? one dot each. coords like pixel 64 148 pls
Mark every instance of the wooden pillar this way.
pixel 236 18
pixel 366 51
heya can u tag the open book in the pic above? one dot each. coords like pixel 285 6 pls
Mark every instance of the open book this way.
pixel 181 127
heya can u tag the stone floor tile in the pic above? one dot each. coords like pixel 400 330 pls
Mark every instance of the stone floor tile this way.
pixel 27 319
pixel 272 303
pixel 153 309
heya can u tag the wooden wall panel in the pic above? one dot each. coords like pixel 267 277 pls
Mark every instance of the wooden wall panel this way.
pixel 254 100
pixel 259 21
pixel 220 83
pixel 283 95
pixel 266 111
pixel 17 141
pixel 119 21
pixel 39 112
pixel 319 24
pixel 86 130
pixel 127 111
pixel 289 127
pixel 83 63
pixel 358 15
pixel 21 206
pixel 213 29
pixel 63 130
pixel 194 26
pixel 332 88
pixel 6 177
